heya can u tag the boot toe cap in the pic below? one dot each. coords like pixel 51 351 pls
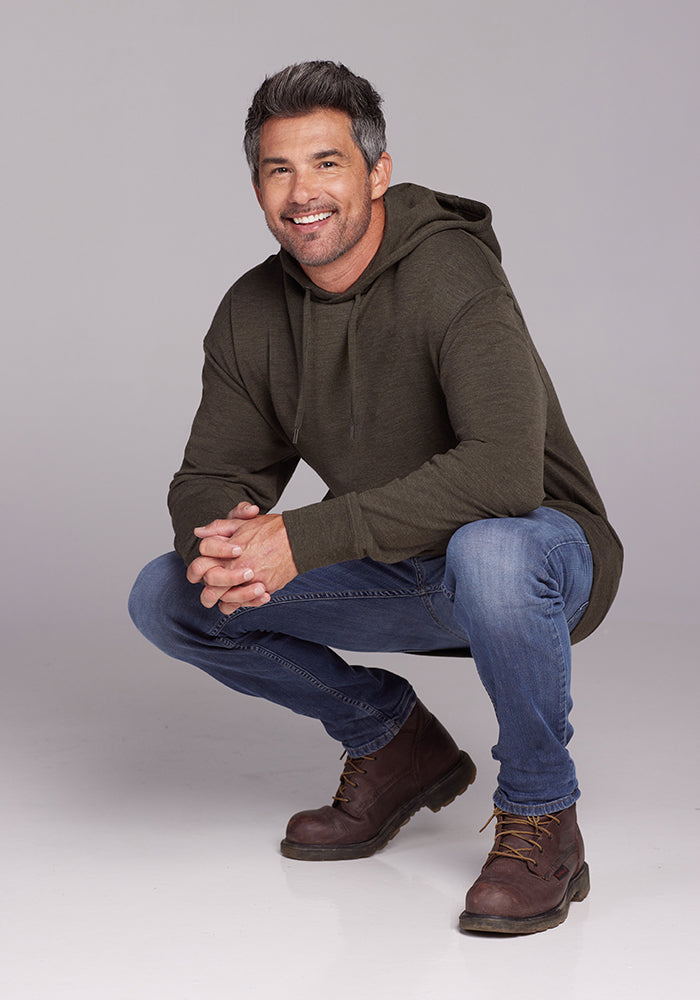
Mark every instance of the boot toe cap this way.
pixel 313 826
pixel 489 899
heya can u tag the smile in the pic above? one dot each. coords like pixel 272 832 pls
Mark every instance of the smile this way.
pixel 305 220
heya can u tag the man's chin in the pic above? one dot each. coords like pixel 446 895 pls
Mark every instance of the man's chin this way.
pixel 315 260
pixel 309 255
pixel 318 249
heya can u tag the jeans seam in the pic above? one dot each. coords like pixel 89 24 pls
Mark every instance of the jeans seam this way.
pixel 425 593
pixel 576 616
pixel 565 541
pixel 309 678
pixel 346 595
pixel 445 628
pixel 563 714
pixel 549 616
pixel 339 596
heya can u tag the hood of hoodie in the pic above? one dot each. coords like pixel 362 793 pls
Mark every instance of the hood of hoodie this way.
pixel 413 214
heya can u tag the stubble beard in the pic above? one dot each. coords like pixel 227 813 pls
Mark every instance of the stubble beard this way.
pixel 319 248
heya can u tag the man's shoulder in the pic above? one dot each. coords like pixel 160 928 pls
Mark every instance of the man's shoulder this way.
pixel 253 302
pixel 452 263
pixel 259 284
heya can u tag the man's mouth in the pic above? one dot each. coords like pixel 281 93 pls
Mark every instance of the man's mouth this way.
pixel 307 220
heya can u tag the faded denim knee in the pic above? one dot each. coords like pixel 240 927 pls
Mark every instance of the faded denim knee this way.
pixel 499 567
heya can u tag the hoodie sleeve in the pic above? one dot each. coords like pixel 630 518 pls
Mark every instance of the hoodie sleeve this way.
pixel 234 452
pixel 497 404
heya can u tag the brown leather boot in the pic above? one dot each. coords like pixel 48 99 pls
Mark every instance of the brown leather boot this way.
pixel 534 870
pixel 421 766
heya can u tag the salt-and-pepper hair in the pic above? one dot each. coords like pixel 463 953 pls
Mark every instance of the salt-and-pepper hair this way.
pixel 308 86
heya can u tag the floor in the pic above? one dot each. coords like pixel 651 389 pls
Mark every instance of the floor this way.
pixel 144 806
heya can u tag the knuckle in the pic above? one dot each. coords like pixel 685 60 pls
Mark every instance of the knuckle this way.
pixel 193 571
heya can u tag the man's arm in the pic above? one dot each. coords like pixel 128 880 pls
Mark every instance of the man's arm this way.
pixel 235 455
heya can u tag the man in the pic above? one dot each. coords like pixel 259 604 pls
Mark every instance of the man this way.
pixel 384 346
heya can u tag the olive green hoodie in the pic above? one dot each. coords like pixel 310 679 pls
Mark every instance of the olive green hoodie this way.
pixel 416 395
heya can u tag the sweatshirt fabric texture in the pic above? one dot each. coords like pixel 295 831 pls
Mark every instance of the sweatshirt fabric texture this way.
pixel 417 396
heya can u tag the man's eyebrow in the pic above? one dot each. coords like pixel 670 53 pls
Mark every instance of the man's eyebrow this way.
pixel 325 154
pixel 322 154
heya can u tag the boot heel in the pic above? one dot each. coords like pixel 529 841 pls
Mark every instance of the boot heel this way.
pixel 456 781
pixel 581 884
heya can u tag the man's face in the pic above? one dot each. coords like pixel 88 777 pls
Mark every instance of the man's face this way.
pixel 314 186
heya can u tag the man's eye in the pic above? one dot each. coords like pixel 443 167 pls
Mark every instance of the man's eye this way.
pixel 328 163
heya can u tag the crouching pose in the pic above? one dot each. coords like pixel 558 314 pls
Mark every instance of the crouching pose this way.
pixel 384 346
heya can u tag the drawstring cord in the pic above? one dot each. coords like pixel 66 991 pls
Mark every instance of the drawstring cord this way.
pixel 307 330
pixel 352 360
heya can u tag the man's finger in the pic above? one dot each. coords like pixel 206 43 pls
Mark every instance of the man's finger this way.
pixel 199 566
pixel 217 547
pixel 227 576
pixel 244 509
pixel 228 525
pixel 228 608
pixel 218 572
pixel 242 594
pixel 222 526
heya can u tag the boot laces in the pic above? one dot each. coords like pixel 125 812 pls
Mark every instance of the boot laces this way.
pixel 353 767
pixel 529 830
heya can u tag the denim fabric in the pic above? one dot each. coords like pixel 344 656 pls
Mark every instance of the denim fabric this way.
pixel 511 589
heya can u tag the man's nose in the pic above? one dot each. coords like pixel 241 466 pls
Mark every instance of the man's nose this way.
pixel 305 187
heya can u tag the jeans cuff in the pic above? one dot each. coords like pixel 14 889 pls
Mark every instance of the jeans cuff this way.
pixel 408 703
pixel 536 809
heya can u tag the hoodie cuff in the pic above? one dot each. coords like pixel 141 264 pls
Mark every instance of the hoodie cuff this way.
pixel 322 534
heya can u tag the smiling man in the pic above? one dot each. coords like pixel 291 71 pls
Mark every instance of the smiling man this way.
pixel 384 346
pixel 321 201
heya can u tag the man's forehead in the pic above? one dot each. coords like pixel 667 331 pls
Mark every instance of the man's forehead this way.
pixel 323 130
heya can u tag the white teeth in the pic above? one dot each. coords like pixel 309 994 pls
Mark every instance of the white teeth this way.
pixel 304 220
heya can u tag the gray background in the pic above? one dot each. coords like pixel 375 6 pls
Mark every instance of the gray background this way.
pixel 127 213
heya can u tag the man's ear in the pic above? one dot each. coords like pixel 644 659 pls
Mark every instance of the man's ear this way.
pixel 380 176
pixel 257 193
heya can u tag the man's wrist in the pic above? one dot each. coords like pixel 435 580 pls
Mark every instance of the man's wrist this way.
pixel 321 533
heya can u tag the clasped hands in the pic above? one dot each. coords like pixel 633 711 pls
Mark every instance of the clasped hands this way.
pixel 243 559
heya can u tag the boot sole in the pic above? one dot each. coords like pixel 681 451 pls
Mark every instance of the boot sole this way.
pixel 439 795
pixel 576 891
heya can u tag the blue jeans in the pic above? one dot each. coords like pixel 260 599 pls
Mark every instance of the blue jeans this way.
pixel 509 589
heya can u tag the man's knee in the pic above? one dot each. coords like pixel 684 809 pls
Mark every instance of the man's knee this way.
pixel 514 562
pixel 154 596
pixel 495 563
